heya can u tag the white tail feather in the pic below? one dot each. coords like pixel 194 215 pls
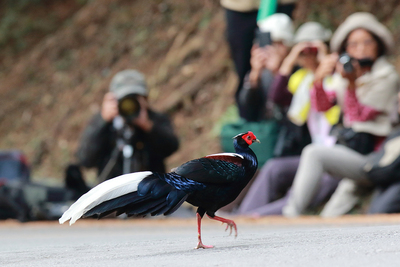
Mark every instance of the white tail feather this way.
pixel 107 190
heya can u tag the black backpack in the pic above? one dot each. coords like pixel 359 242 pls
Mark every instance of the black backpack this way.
pixel 24 200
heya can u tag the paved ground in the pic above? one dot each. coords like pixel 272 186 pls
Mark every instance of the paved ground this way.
pixel 274 241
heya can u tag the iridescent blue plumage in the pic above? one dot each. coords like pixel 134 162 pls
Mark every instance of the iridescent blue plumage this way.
pixel 180 182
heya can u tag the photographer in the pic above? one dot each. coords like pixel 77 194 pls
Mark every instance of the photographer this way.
pixel 364 85
pixel 127 135
pixel 241 23
pixel 272 44
pixel 268 193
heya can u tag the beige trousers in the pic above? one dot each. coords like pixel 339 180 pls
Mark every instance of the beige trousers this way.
pixel 339 161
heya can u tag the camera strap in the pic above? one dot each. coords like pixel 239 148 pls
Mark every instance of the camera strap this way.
pixel 124 134
pixel 109 166
pixel 127 152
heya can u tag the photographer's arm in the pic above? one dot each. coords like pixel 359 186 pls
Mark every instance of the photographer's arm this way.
pixel 320 99
pixel 250 100
pixel 265 64
pixel 109 107
pixel 94 140
pixel 290 61
pixel 279 93
pixel 355 111
pixel 257 59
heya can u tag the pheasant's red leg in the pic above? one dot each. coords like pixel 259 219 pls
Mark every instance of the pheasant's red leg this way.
pixel 231 224
pixel 200 244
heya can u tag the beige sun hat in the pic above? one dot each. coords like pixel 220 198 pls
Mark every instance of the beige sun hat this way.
pixel 280 26
pixel 312 31
pixel 363 20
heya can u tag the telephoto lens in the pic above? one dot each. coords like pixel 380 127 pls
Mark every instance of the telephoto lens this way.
pixel 129 107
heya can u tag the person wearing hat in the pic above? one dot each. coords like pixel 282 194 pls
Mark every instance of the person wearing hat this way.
pixel 265 62
pixel 364 85
pixel 241 24
pixel 127 135
pixel 268 193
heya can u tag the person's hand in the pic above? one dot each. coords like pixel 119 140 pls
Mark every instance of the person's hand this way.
pixel 274 58
pixel 258 56
pixel 257 59
pixel 142 120
pixel 322 49
pixel 326 67
pixel 109 107
pixel 351 76
pixel 289 62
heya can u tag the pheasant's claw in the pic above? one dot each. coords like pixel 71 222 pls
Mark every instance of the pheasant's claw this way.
pixel 229 224
pixel 201 245
pixel 230 227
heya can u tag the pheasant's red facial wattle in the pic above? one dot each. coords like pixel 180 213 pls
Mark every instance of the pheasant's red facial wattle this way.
pixel 249 138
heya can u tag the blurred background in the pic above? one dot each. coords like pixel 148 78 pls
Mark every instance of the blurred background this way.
pixel 57 58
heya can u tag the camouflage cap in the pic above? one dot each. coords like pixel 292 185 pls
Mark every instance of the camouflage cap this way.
pixel 128 82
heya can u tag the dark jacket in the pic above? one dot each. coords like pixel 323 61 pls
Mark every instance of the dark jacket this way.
pixel 99 140
pixel 253 102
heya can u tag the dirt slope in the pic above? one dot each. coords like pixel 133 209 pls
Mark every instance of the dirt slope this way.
pixel 49 90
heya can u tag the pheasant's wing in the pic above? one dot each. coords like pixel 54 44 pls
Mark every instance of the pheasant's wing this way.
pixel 217 168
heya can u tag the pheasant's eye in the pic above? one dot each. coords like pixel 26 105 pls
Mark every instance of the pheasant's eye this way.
pixel 248 137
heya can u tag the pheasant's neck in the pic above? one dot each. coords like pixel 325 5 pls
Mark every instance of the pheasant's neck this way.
pixel 249 156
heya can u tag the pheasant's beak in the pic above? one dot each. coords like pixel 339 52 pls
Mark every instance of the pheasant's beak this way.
pixel 258 141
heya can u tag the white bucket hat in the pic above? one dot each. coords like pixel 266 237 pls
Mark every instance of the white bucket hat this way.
pixel 312 31
pixel 362 20
pixel 280 26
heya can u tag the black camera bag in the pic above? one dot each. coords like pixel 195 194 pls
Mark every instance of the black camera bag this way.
pixel 361 142
pixel 383 166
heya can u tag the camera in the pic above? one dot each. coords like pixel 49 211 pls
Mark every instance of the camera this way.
pixel 348 67
pixel 263 38
pixel 310 50
pixel 345 60
pixel 129 107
